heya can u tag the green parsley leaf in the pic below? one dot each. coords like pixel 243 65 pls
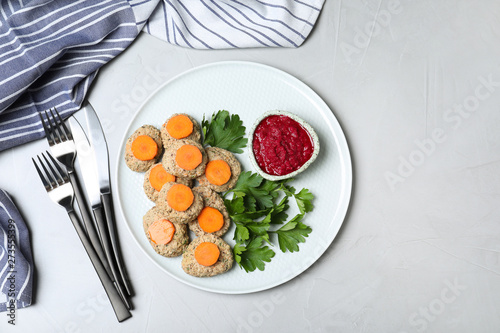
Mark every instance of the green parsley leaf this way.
pixel 266 239
pixel 257 192
pixel 292 233
pixel 289 190
pixel 254 255
pixel 304 200
pixel 278 214
pixel 258 228
pixel 224 131
pixel 238 249
pixel 241 233
pixel 246 180
pixel 271 187
pixel 235 206
pixel 250 203
pixel 250 216
pixel 255 208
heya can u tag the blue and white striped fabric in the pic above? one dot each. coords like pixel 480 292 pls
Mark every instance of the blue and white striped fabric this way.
pixel 51 50
pixel 16 261
pixel 211 24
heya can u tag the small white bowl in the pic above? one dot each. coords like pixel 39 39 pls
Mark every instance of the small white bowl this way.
pixel 306 126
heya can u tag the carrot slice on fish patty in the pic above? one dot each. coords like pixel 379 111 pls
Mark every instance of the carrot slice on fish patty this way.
pixel 180 126
pixel 144 148
pixel 188 157
pixel 218 172
pixel 180 197
pixel 161 232
pixel 207 253
pixel 210 220
pixel 159 176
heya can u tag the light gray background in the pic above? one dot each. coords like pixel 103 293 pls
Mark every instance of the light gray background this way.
pixel 416 88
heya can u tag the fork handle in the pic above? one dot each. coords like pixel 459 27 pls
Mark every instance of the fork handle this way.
pixel 88 223
pixel 119 307
pixel 80 199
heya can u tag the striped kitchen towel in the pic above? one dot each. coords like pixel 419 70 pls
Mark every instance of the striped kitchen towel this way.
pixel 51 50
pixel 16 262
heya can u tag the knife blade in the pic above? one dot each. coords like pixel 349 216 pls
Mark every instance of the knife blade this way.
pixel 99 144
pixel 87 162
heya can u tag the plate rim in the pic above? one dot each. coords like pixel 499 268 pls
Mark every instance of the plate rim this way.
pixel 348 176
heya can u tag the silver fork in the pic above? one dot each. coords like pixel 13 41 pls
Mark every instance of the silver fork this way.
pixel 60 191
pixel 62 146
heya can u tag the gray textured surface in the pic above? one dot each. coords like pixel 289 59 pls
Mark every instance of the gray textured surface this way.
pixel 418 99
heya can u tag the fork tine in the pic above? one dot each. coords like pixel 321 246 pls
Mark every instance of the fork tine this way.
pixel 57 127
pixel 46 130
pixel 54 173
pixel 60 170
pixel 52 128
pixel 42 177
pixel 66 129
pixel 50 178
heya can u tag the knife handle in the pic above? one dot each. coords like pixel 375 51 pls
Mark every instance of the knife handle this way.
pixel 88 221
pixel 110 218
pixel 103 231
pixel 121 310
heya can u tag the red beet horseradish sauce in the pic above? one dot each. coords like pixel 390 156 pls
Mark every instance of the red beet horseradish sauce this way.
pixel 281 145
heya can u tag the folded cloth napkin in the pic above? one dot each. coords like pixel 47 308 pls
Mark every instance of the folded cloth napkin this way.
pixel 16 261
pixel 51 50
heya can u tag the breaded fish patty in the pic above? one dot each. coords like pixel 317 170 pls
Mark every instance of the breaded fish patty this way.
pixel 170 164
pixel 168 139
pixel 173 215
pixel 214 200
pixel 133 162
pixel 214 154
pixel 178 243
pixel 223 264
pixel 151 192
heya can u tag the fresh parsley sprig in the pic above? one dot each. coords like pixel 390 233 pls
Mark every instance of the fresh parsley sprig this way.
pixel 292 233
pixel 254 205
pixel 254 208
pixel 224 131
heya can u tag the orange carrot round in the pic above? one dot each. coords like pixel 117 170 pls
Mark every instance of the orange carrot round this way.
pixel 158 176
pixel 180 197
pixel 188 157
pixel 179 127
pixel 210 220
pixel 218 172
pixel 161 232
pixel 207 253
pixel 144 148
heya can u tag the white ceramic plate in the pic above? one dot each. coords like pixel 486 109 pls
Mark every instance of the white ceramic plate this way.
pixel 247 89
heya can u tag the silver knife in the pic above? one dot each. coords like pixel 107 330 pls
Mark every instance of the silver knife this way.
pixel 99 145
pixel 88 168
